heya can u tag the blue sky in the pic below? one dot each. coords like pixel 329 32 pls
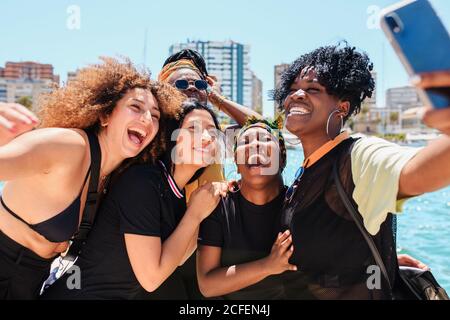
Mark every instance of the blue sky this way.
pixel 277 31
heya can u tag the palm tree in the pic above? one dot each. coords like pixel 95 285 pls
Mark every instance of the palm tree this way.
pixel 26 101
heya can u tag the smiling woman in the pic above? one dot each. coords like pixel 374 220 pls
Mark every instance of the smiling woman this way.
pixel 145 229
pixel 319 92
pixel 110 112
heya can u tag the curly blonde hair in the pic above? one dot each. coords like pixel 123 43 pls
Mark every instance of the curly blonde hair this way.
pixel 95 92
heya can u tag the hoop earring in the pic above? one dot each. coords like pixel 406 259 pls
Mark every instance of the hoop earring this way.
pixel 328 123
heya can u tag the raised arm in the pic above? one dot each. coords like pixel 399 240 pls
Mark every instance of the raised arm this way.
pixel 215 280
pixel 37 151
pixel 429 170
pixel 234 110
pixel 152 261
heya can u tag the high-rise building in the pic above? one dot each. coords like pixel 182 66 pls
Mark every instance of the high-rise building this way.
pixel 17 89
pixel 71 75
pixel 278 71
pixel 25 79
pixel 369 117
pixel 257 101
pixel 403 98
pixel 372 102
pixel 29 70
pixel 229 62
pixel 3 90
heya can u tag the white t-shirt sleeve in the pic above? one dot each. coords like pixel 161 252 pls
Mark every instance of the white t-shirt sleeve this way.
pixel 376 168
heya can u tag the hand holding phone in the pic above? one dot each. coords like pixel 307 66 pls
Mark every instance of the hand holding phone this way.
pixel 435 118
pixel 439 79
pixel 423 45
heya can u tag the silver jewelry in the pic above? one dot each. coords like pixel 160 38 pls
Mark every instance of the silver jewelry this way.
pixel 328 123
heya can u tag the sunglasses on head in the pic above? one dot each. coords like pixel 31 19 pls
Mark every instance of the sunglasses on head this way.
pixel 184 84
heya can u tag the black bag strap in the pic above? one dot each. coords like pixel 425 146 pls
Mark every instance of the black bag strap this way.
pixel 92 200
pixel 358 221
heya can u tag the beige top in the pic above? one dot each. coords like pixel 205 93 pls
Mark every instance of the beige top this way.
pixel 376 168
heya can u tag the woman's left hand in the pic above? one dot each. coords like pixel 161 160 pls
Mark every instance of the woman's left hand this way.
pixel 15 119
pixel 438 119
pixel 435 118
pixel 408 261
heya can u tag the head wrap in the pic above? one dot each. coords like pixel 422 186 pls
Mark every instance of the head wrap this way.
pixel 170 68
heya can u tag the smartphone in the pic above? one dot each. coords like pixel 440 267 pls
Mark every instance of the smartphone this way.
pixel 422 43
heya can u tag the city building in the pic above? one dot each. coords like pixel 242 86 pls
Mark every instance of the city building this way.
pixel 29 70
pixel 17 88
pixel 71 75
pixel 3 90
pixel 229 61
pixel 257 100
pixel 278 71
pixel 369 117
pixel 25 79
pixel 403 97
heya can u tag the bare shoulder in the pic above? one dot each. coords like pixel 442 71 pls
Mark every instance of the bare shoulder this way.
pixel 53 137
pixel 61 137
pixel 65 143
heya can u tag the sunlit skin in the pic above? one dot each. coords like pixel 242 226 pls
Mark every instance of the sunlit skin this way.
pixel 38 190
pixel 307 108
pixel 152 260
pixel 136 116
pixel 216 279
pixel 190 76
pixel 196 143
pixel 258 160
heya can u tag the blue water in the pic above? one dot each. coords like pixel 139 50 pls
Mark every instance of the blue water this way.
pixel 423 227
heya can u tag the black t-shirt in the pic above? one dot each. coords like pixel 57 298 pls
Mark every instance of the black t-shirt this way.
pixel 139 202
pixel 245 232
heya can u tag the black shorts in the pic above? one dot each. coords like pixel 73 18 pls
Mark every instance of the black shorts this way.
pixel 22 272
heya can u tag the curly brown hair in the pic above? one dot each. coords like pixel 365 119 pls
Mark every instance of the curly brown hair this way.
pixel 95 92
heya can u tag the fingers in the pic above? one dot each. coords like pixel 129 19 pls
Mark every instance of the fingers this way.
pixel 408 261
pixel 287 242
pixel 20 108
pixel 283 237
pixel 17 116
pixel 438 119
pixel 18 113
pixel 5 123
pixel 291 267
pixel 220 188
pixel 210 80
pixel 432 79
pixel 422 266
